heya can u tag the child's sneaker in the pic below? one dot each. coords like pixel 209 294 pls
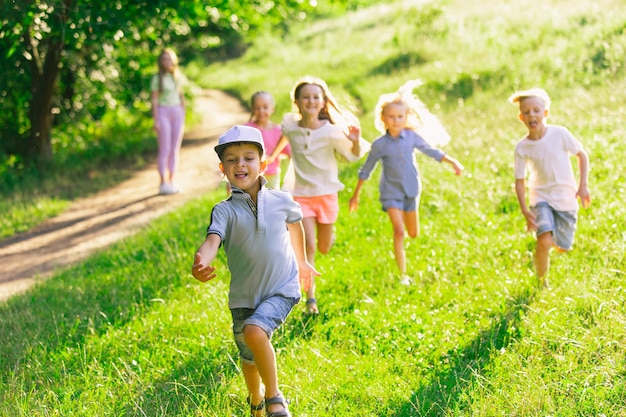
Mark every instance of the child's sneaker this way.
pixel 405 279
pixel 175 188
pixel 166 189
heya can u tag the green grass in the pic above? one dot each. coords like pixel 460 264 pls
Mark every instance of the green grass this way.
pixel 130 332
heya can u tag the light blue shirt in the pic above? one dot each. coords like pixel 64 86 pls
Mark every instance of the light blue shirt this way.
pixel 261 259
pixel 400 177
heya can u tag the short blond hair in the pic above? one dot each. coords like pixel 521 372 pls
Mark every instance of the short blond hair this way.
pixel 519 96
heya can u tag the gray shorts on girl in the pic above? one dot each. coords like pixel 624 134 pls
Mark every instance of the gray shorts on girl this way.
pixel 268 315
pixel 562 224
pixel 406 204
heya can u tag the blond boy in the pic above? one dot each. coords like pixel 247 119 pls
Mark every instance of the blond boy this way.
pixel 544 154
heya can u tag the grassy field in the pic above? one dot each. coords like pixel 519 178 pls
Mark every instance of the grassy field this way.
pixel 130 333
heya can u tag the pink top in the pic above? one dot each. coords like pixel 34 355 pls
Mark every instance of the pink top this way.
pixel 270 139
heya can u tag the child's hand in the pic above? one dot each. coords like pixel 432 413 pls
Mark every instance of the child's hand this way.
pixel 201 272
pixel 456 165
pixel 458 168
pixel 354 133
pixel 531 224
pixel 354 203
pixel 306 274
pixel 585 197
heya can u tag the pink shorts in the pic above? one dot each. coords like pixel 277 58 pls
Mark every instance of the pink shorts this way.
pixel 325 208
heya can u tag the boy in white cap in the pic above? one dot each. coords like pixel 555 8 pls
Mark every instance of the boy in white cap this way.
pixel 262 234
pixel 552 189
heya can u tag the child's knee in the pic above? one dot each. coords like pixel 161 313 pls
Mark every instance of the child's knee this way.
pixel 545 241
pixel 324 249
pixel 253 334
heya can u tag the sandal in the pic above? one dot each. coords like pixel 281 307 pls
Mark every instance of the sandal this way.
pixel 254 409
pixel 279 399
pixel 311 307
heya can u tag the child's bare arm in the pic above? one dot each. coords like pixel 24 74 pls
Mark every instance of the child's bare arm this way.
pixel 354 134
pixel 201 269
pixel 296 234
pixel 282 143
pixel 456 165
pixel 583 168
pixel 520 190
pixel 354 201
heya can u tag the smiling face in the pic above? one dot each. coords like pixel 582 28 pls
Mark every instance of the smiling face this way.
pixel 532 112
pixel 310 99
pixel 262 108
pixel 242 165
pixel 394 116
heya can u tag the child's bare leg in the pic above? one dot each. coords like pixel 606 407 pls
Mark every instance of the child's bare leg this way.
pixel 264 359
pixel 325 237
pixel 412 223
pixel 542 256
pixel 310 226
pixel 397 222
pixel 253 383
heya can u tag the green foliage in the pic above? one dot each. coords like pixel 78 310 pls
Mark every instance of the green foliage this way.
pixel 68 60
pixel 129 332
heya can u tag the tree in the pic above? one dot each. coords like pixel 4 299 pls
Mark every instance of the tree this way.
pixel 38 35
pixel 48 43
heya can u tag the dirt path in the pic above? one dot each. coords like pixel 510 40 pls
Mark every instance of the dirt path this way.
pixel 95 222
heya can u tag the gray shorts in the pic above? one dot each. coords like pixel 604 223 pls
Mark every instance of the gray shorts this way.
pixel 268 315
pixel 562 224
pixel 406 204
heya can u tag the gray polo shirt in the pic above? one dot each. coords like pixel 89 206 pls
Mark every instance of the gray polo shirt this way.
pixel 261 259
pixel 400 176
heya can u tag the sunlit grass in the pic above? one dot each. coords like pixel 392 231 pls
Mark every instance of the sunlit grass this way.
pixel 129 332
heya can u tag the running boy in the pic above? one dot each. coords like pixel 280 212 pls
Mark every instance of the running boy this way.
pixel 552 190
pixel 262 234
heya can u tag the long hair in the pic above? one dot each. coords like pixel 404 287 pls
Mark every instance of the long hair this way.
pixel 162 70
pixel 419 118
pixel 331 111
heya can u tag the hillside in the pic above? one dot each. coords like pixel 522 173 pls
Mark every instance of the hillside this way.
pixel 129 332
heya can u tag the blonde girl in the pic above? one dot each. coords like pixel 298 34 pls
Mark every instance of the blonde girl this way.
pixel 318 129
pixel 407 125
pixel 168 111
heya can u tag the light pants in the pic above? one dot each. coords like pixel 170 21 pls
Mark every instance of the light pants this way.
pixel 170 137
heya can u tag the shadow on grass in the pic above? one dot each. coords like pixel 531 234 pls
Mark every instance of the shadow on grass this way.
pixel 467 364
pixel 66 309
pixel 204 381
pixel 199 382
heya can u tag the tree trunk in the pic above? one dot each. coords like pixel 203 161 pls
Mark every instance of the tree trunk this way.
pixel 44 82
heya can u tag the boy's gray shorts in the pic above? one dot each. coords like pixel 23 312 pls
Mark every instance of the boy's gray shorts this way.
pixel 562 224
pixel 268 315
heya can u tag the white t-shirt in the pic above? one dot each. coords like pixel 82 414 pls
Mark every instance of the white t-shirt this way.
pixel 547 161
pixel 314 169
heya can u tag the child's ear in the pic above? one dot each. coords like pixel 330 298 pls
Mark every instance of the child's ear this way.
pixel 263 164
pixel 221 165
pixel 520 116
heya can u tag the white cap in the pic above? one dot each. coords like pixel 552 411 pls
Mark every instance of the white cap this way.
pixel 240 134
